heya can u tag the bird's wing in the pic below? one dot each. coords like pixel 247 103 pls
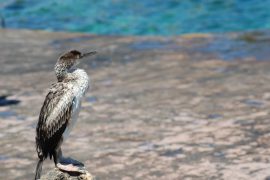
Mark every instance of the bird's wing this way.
pixel 54 117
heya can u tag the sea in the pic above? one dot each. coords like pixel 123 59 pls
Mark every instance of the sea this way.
pixel 137 17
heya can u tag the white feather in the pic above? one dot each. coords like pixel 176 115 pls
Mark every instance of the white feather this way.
pixel 79 88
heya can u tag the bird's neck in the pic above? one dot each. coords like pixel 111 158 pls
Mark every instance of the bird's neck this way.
pixel 74 73
pixel 60 71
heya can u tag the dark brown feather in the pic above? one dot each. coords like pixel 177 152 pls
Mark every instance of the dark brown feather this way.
pixel 49 135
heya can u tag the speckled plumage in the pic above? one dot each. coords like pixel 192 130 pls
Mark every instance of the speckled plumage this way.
pixel 60 110
pixel 61 106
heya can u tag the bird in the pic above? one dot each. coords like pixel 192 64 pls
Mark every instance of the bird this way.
pixel 60 110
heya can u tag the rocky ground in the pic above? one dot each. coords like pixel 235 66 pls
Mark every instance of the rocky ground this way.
pixel 188 107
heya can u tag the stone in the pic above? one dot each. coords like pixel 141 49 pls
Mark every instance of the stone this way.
pixel 56 174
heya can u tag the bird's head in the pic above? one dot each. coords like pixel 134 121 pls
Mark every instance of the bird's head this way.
pixel 67 62
pixel 71 58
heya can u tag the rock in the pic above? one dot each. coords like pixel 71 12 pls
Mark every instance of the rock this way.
pixel 56 174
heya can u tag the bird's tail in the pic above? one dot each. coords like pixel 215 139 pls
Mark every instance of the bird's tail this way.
pixel 39 169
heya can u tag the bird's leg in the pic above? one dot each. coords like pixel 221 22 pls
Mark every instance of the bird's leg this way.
pixel 68 164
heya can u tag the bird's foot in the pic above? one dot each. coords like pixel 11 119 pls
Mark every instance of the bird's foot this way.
pixel 71 165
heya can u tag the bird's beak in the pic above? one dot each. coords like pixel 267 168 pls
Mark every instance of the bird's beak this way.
pixel 88 54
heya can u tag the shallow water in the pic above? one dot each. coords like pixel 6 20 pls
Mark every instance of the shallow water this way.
pixel 141 17
pixel 162 108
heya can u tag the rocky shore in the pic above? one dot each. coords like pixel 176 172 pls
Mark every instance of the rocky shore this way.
pixel 188 107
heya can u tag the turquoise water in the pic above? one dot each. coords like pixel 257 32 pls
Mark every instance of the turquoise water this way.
pixel 137 17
